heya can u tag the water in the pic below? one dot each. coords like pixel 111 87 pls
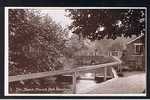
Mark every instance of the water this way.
pixel 87 83
pixel 64 84
pixel 88 75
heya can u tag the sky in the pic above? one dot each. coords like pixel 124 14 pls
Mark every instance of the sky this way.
pixel 58 15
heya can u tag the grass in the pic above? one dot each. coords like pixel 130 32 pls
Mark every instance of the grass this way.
pixel 92 60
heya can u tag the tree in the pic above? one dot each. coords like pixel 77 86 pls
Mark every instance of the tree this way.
pixel 97 24
pixel 35 42
pixel 116 46
pixel 21 32
pixel 75 45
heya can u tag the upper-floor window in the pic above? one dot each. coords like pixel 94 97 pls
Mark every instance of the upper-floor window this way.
pixel 139 48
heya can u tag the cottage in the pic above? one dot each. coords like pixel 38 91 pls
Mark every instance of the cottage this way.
pixel 135 54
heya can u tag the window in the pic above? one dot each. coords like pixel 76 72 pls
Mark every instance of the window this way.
pixel 139 47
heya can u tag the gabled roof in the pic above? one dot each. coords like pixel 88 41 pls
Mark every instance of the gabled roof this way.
pixel 135 39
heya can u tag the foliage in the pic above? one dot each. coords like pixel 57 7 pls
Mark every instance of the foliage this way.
pixel 74 45
pixel 116 46
pixel 35 42
pixel 96 24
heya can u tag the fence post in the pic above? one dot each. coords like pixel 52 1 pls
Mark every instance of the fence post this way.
pixel 105 73
pixel 74 82
pixel 120 66
pixel 94 74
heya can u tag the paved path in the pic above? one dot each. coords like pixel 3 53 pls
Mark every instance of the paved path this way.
pixel 124 85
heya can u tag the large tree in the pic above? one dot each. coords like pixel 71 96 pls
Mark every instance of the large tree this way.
pixel 21 32
pixel 35 45
pixel 96 24
pixel 35 42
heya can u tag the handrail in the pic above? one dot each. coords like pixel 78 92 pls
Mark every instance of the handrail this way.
pixel 117 59
pixel 59 72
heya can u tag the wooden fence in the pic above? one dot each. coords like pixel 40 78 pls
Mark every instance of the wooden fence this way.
pixel 69 71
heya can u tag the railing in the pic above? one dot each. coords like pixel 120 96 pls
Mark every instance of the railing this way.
pixel 70 71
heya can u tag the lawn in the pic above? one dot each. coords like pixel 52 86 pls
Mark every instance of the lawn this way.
pixel 91 60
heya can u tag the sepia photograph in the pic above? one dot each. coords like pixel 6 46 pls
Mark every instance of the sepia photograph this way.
pixel 75 51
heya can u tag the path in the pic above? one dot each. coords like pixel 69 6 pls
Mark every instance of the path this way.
pixel 124 85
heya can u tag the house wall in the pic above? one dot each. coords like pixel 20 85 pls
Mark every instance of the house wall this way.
pixel 133 60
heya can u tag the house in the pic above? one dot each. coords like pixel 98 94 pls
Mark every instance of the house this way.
pixel 135 53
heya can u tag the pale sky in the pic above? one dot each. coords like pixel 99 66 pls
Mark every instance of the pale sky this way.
pixel 58 15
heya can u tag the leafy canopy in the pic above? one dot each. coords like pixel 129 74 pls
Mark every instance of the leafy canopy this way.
pixel 35 42
pixel 96 24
